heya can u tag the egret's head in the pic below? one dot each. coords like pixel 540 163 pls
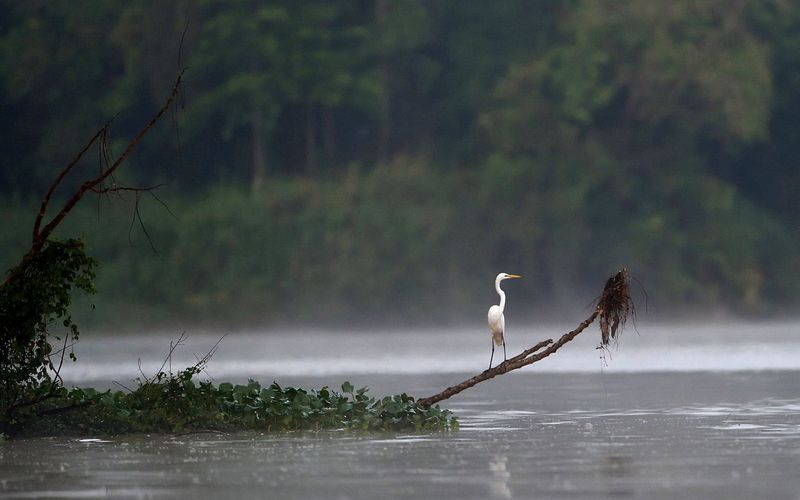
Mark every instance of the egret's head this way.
pixel 506 276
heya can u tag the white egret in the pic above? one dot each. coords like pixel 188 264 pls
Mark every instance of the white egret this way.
pixel 497 322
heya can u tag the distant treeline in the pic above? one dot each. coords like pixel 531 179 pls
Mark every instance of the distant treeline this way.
pixel 406 242
pixel 377 158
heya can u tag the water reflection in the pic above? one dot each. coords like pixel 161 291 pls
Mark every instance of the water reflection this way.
pixel 498 483
pixel 616 466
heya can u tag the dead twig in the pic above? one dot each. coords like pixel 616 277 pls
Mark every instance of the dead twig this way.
pixel 613 307
pixel 198 367
pixel 168 359
pixel 123 386
pixel 57 371
pixel 101 134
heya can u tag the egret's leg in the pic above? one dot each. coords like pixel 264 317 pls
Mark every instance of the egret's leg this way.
pixel 492 357
pixel 504 351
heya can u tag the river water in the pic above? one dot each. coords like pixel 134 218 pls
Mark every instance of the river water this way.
pixel 691 411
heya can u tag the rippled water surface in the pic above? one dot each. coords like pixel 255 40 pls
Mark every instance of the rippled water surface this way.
pixel 588 433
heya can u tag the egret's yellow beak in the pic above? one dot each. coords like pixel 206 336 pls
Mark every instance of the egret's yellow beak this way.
pixel 512 276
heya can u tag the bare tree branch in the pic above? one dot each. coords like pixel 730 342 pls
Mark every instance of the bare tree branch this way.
pixel 166 207
pixel 115 189
pixel 137 216
pixel 88 185
pixel 95 185
pixel 614 307
pixel 60 364
pixel 168 359
pixel 43 209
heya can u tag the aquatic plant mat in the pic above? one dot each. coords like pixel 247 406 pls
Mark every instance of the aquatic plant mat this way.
pixel 176 404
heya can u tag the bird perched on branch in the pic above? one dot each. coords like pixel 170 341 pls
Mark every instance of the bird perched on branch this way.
pixel 497 322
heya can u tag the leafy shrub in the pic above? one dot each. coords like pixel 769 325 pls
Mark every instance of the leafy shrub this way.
pixel 38 295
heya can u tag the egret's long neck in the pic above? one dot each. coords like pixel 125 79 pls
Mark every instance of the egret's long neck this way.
pixel 502 295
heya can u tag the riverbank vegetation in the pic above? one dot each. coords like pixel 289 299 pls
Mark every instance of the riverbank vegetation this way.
pixel 406 242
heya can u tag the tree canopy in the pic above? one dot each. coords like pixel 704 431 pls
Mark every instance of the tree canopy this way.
pixel 336 137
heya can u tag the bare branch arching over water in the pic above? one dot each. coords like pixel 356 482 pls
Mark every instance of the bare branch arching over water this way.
pixel 613 308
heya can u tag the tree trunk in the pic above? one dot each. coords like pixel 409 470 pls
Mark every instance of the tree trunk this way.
pixel 311 138
pixel 259 155
pixel 385 119
pixel 328 135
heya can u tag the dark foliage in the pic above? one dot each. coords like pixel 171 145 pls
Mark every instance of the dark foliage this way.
pixel 615 306
pixel 40 294
pixel 176 403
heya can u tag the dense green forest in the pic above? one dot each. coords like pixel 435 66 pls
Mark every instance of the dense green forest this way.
pixel 359 160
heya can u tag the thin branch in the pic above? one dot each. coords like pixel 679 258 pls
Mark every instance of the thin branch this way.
pixel 29 402
pixel 123 386
pixel 172 346
pixel 179 105
pixel 144 377
pixel 138 216
pixel 88 185
pixel 180 44
pixel 528 352
pixel 56 352
pixel 63 409
pixel 166 207
pixel 103 190
pixel 43 209
pixel 203 362
pixel 60 364
pixel 200 431
pixel 205 359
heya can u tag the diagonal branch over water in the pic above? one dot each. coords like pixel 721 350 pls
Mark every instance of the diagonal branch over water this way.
pixel 614 307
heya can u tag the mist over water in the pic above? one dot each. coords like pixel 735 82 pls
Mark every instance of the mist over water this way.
pixel 270 354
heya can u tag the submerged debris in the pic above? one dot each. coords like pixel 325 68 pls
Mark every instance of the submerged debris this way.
pixel 615 306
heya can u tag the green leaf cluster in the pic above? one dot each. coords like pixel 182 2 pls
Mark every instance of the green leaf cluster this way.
pixel 39 294
pixel 177 403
